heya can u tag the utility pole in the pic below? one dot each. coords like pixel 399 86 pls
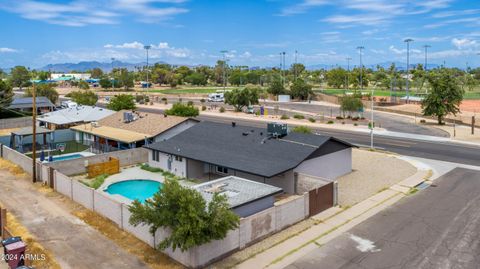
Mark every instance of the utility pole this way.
pixel 348 71
pixel 34 134
pixel 147 47
pixel 360 49
pixel 113 77
pixel 283 71
pixel 426 47
pixel 408 40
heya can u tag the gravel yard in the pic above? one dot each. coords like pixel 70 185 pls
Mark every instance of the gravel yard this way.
pixel 372 172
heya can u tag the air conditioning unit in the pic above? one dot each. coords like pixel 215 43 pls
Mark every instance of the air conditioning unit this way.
pixel 128 117
pixel 276 129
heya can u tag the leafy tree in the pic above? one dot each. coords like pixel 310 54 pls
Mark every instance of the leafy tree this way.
pixel 183 211
pixel 42 75
pixel 444 97
pixel 96 73
pixel 6 95
pixel 87 98
pixel 196 79
pixel 182 110
pixel 123 78
pixel 83 85
pixel 20 77
pixel 351 104
pixel 46 89
pixel 355 76
pixel 253 77
pixel 301 90
pixel 237 77
pixel 105 82
pixel 219 72
pixel 276 87
pixel 122 101
pixel 241 98
pixel 336 78
pixel 297 69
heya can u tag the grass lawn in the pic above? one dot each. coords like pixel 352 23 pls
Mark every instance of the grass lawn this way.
pixel 467 95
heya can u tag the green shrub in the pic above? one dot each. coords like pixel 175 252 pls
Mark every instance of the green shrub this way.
pixel 284 117
pixel 355 124
pixel 190 103
pixel 302 129
pixel 423 121
pixel 330 122
pixel 298 117
pixel 204 108
pixel 339 118
pixel 148 168
pixel 202 100
pixel 182 110
pixel 97 181
pixel 222 109
pixel 311 120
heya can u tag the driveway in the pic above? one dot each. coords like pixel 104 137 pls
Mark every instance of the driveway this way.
pixel 435 228
pixel 73 243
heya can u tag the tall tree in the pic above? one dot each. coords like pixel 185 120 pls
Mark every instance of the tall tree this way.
pixel 20 77
pixel 445 95
pixel 87 98
pixel 6 94
pixel 183 211
pixel 45 89
pixel 96 73
pixel 241 98
pixel 276 86
pixel 122 101
pixel 301 90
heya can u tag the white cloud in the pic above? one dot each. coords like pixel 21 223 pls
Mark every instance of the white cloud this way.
pixel 403 51
pixel 79 13
pixel 7 50
pixel 464 43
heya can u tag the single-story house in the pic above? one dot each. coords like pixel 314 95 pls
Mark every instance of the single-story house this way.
pixel 43 104
pixel 68 117
pixel 129 129
pixel 245 197
pixel 272 156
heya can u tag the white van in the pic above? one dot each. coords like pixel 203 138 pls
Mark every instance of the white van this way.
pixel 68 104
pixel 216 97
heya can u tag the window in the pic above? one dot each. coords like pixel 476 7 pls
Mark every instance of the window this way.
pixel 222 170
pixel 178 159
pixel 155 156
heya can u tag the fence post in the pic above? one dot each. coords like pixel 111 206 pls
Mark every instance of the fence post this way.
pixel 3 221
pixel 1 150
pixel 473 124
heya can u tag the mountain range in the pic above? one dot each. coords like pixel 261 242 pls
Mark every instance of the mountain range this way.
pixel 107 67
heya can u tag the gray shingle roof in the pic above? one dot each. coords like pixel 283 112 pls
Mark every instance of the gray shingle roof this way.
pixel 243 148
pixel 26 102
pixel 239 191
pixel 76 114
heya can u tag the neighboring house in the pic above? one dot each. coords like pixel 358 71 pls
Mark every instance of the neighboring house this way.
pixel 25 104
pixel 62 76
pixel 245 197
pixel 129 129
pixel 69 117
pixel 211 150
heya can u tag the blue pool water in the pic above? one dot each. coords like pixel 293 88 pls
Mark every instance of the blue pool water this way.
pixel 140 189
pixel 66 157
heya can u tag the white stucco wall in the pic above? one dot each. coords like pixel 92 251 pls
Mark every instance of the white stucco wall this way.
pixel 329 166
pixel 179 168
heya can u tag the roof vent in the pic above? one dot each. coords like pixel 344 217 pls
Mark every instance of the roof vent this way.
pixel 245 133
pixel 128 117
pixel 234 124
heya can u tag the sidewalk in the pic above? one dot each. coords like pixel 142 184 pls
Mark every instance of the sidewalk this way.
pixel 332 223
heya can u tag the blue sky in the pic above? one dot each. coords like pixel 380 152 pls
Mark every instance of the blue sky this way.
pixel 38 32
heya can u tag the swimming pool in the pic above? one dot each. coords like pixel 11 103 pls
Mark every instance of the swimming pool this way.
pixel 136 189
pixel 66 157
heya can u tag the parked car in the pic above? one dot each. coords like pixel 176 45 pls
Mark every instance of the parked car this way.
pixel 68 104
pixel 216 97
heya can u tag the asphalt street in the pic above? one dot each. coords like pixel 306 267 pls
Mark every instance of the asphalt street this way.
pixel 438 227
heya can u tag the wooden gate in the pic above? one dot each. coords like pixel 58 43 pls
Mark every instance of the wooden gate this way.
pixel 320 199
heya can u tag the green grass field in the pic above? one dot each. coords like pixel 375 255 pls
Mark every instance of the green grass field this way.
pixel 468 95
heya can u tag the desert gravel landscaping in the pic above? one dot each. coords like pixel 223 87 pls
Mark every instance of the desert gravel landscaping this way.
pixel 372 172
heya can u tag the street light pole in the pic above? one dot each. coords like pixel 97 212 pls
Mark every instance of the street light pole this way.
pixel 360 49
pixel 408 40
pixel 283 71
pixel 113 80
pixel 426 47
pixel 224 63
pixel 34 134
pixel 147 47
pixel 348 71
pixel 295 66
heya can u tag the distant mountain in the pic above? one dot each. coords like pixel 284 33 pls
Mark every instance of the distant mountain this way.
pixel 84 66
pixel 399 66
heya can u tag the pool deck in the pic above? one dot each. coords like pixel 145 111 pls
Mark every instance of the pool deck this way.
pixel 128 173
